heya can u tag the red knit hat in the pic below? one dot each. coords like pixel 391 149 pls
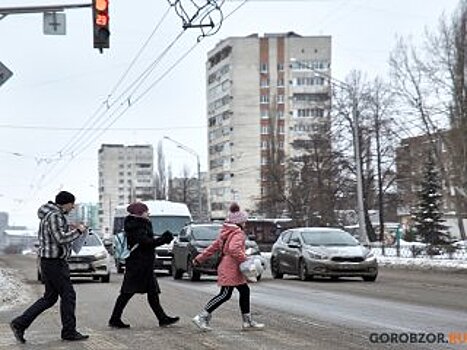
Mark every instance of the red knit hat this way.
pixel 137 208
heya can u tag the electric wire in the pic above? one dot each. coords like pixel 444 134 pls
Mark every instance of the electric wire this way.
pixel 145 74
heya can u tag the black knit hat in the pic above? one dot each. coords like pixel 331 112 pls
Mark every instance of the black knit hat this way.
pixel 64 197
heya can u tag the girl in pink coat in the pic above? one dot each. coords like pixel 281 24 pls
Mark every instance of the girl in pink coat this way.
pixel 231 242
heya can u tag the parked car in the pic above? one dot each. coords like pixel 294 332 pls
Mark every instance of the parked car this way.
pixel 92 261
pixel 321 251
pixel 192 240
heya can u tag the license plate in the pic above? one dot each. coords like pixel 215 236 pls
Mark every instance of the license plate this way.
pixel 348 267
pixel 79 266
pixel 166 262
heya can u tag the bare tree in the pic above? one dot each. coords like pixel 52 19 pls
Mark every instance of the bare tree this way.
pixel 271 203
pixel 431 82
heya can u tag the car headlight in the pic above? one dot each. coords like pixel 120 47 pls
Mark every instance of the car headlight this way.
pixel 100 256
pixel 316 256
pixel 370 256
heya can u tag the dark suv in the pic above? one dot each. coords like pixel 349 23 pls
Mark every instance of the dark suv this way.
pixel 193 239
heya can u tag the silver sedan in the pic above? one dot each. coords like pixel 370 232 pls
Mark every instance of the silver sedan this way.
pixel 321 251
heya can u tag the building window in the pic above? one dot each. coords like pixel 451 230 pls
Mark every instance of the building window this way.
pixel 280 82
pixel 264 99
pixel 280 114
pixel 264 129
pixel 310 112
pixel 264 114
pixel 281 144
pixel 264 161
pixel 263 67
pixel 281 129
pixel 280 67
pixel 280 98
pixel 264 83
pixel 264 145
pixel 309 81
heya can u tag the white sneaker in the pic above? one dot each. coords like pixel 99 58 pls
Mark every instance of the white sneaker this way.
pixel 202 321
pixel 250 325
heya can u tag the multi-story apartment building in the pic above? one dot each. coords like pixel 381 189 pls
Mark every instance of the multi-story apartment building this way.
pixel 411 158
pixel 86 213
pixel 259 88
pixel 126 173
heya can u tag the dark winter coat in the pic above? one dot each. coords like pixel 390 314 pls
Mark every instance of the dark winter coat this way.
pixel 139 266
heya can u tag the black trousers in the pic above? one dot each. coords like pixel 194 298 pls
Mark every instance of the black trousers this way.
pixel 226 293
pixel 56 277
pixel 124 298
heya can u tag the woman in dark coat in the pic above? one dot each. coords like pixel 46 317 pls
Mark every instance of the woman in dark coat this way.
pixel 139 266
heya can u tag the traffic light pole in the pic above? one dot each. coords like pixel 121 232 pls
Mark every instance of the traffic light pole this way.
pixel 5 11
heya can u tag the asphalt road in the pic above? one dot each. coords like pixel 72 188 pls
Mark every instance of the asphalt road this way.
pixel 320 314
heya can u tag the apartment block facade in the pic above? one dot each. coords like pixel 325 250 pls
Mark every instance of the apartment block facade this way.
pixel 259 88
pixel 126 174
pixel 411 158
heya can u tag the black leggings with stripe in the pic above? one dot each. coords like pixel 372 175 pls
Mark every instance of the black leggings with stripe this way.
pixel 226 293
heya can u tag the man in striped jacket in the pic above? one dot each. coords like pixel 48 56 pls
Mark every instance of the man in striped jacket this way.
pixel 55 240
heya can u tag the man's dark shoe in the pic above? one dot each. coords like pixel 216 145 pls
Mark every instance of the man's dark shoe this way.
pixel 118 324
pixel 167 321
pixel 76 336
pixel 18 332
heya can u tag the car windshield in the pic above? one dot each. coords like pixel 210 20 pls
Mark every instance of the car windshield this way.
pixel 206 233
pixel 174 224
pixel 328 238
pixel 92 241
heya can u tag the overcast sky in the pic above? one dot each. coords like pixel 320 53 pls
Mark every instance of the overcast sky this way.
pixel 60 82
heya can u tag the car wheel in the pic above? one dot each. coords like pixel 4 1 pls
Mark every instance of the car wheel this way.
pixel 302 271
pixel 106 278
pixel 193 275
pixel 369 278
pixel 276 274
pixel 176 273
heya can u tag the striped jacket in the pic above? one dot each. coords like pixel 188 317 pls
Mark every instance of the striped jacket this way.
pixel 54 235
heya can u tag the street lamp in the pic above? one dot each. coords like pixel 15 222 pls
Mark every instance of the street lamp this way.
pixel 192 152
pixel 358 160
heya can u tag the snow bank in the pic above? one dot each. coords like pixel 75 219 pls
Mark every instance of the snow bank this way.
pixel 12 290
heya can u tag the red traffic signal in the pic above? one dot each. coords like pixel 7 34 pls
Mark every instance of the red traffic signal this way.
pixel 100 10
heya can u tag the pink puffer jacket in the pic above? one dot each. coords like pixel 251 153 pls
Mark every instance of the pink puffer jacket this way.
pixel 228 271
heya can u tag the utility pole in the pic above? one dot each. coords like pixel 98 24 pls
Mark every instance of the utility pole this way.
pixel 198 165
pixel 358 163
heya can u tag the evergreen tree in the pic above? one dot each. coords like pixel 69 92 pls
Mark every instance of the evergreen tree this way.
pixel 428 217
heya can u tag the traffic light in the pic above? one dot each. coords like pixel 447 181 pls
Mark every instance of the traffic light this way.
pixel 100 11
